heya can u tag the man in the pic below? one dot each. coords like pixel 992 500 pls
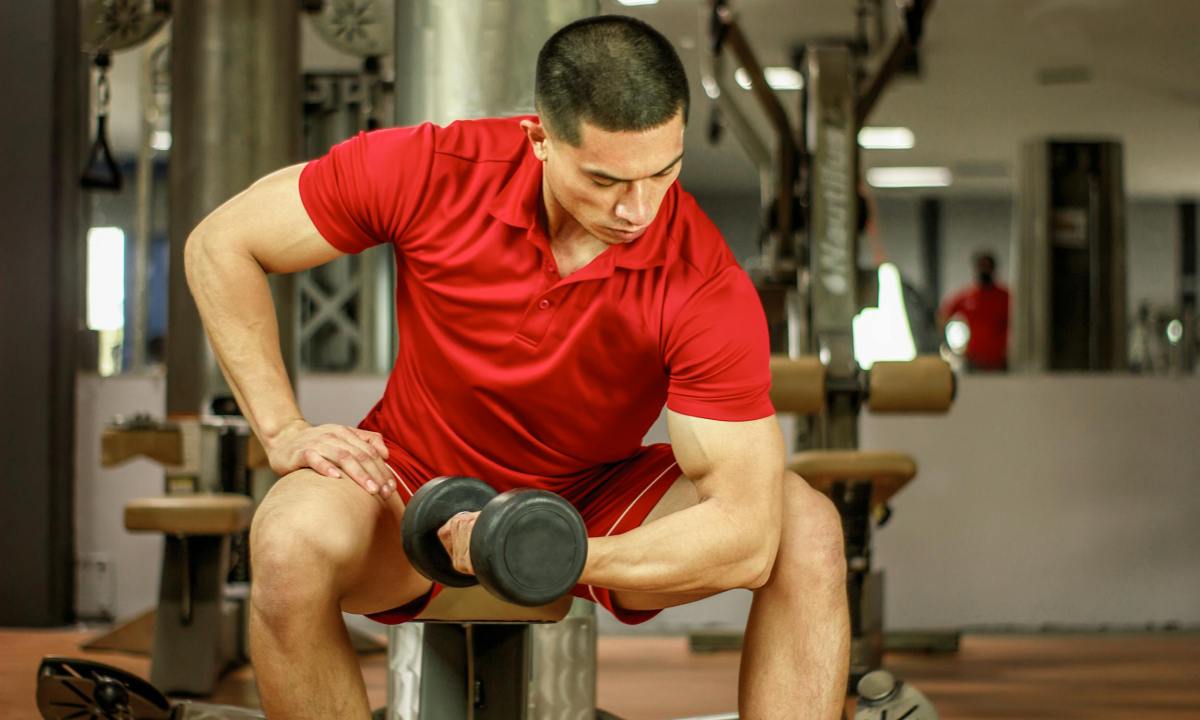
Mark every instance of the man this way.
pixel 555 287
pixel 984 306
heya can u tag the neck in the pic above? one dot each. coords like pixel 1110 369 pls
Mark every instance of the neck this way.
pixel 562 229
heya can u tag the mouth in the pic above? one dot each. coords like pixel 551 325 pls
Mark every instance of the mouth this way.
pixel 628 234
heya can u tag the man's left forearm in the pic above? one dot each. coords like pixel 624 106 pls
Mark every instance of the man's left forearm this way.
pixel 718 544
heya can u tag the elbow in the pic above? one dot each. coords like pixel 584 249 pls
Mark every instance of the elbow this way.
pixel 194 253
pixel 759 563
pixel 759 567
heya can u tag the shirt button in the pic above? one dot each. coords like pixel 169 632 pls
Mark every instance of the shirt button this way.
pixel 545 304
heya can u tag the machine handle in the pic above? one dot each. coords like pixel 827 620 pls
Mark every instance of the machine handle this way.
pixel 923 385
pixel 797 384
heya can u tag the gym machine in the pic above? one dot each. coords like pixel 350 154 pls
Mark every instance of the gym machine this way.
pixel 809 281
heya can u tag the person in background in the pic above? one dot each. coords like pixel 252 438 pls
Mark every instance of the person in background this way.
pixel 984 307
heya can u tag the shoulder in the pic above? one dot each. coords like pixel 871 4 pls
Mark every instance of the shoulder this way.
pixel 486 140
pixel 698 251
pixel 702 274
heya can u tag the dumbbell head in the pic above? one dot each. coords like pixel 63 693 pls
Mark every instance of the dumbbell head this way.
pixel 429 509
pixel 529 546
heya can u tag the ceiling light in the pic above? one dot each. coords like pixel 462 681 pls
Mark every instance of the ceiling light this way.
pixel 909 177
pixel 779 78
pixel 634 3
pixel 886 138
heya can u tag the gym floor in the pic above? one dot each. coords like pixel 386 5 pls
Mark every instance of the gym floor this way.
pixel 1017 677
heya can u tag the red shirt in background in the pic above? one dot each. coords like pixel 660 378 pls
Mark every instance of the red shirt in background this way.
pixel 985 309
pixel 505 370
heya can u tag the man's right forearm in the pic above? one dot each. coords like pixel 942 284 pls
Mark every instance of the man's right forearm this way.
pixel 234 298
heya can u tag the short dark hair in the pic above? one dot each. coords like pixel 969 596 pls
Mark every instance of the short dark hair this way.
pixel 613 71
pixel 986 256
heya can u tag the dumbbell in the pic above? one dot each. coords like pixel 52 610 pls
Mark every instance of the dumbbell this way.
pixel 527 547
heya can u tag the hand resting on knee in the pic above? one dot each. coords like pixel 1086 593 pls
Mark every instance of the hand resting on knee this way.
pixel 334 451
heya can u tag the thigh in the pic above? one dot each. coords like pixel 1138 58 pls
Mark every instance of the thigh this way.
pixel 354 536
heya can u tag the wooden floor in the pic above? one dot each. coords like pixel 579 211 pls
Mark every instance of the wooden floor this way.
pixel 1043 677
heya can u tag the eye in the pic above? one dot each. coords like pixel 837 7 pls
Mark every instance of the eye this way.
pixel 603 184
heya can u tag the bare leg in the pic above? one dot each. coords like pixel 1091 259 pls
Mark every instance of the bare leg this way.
pixel 320 546
pixel 796 654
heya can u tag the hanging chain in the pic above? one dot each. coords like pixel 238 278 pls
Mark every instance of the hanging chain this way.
pixel 103 92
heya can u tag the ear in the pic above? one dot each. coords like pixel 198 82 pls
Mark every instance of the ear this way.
pixel 536 132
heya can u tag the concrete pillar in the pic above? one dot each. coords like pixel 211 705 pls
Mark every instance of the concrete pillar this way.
pixel 235 116
pixel 459 59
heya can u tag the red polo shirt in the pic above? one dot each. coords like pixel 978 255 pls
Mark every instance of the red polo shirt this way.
pixel 505 370
pixel 985 308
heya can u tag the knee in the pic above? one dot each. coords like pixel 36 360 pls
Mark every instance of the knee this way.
pixel 297 551
pixel 811 549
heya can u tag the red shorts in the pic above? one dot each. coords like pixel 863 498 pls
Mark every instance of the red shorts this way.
pixel 614 499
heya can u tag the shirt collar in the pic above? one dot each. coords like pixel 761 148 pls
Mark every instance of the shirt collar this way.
pixel 517 204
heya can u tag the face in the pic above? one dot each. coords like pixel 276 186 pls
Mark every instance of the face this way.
pixel 614 182
pixel 985 267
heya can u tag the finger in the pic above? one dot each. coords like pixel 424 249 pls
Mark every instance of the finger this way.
pixel 345 459
pixel 462 548
pixel 375 440
pixel 465 524
pixel 320 464
pixel 366 455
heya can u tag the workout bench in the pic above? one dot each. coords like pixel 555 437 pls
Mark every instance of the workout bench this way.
pixel 197 628
pixel 472 656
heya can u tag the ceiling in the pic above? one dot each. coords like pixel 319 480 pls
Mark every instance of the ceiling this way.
pixel 977 100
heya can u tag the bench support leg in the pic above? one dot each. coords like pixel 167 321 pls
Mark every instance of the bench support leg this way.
pixel 195 629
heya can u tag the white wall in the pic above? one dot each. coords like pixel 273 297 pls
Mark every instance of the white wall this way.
pixel 1043 499
pixel 1047 499
pixel 130 581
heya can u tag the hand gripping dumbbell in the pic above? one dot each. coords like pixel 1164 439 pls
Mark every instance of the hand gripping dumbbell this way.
pixel 527 547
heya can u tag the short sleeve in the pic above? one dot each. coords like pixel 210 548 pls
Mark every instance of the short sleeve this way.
pixel 367 190
pixel 718 352
pixel 952 306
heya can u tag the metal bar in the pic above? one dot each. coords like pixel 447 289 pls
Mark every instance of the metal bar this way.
pixel 712 79
pixel 1189 283
pixel 833 232
pixel 931 247
pixel 738 44
pixel 897 53
pixel 185 581
pixel 142 220
pixel 330 309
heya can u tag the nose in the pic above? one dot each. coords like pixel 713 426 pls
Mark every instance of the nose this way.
pixel 635 206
